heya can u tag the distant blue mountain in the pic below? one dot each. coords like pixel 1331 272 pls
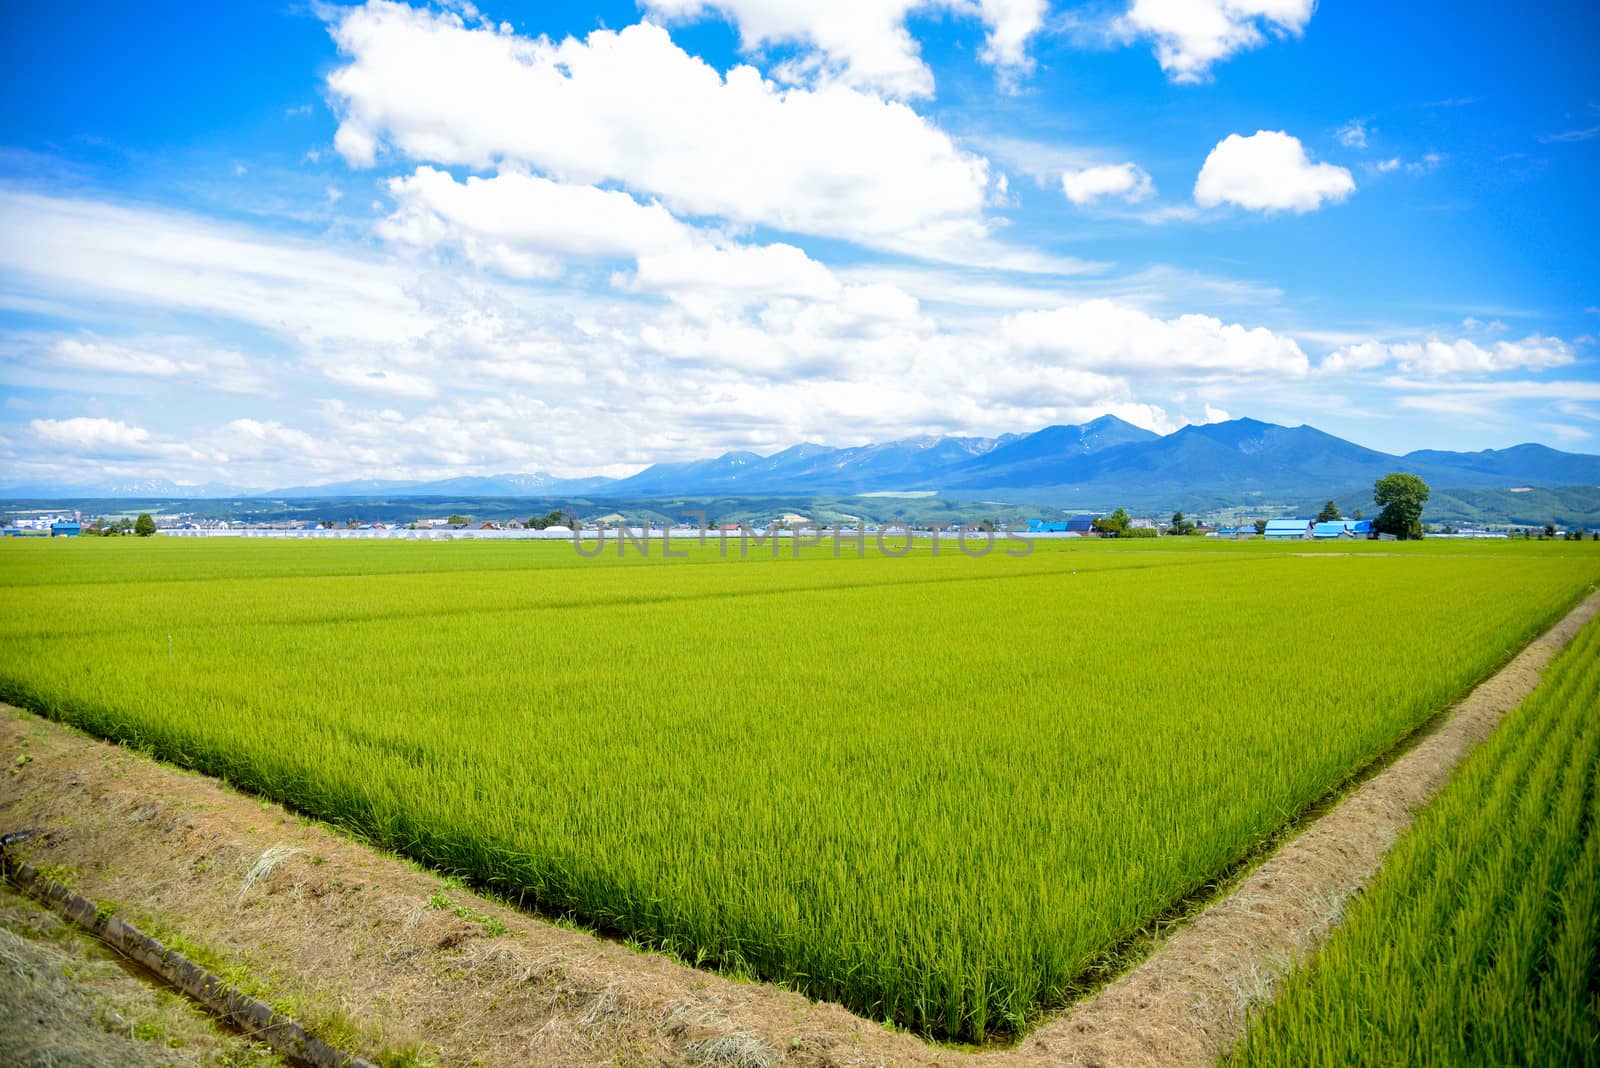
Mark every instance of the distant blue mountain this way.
pixel 1240 458
pixel 1535 464
pixel 1043 457
pixel 809 468
pixel 1107 459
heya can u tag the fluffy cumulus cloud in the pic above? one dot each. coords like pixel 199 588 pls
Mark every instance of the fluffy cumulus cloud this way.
pixel 1105 335
pixel 1190 36
pixel 862 43
pixel 1268 171
pixel 1126 181
pixel 523 224
pixel 632 108
pixel 97 438
pixel 83 434
pixel 865 43
pixel 1011 23
pixel 1437 358
pixel 531 227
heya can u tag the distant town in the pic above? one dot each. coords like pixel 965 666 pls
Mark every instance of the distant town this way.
pixel 1116 524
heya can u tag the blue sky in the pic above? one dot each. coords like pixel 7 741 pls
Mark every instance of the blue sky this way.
pixel 273 244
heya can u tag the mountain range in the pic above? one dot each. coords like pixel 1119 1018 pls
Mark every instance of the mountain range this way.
pixel 1107 459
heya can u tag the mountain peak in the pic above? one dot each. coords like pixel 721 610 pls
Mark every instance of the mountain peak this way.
pixel 1106 421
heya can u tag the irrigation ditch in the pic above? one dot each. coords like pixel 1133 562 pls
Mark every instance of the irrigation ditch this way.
pixel 229 1004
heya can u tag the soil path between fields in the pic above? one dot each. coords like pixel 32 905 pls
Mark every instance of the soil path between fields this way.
pixel 395 959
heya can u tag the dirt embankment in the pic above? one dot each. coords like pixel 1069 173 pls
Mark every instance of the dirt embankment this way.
pixel 379 956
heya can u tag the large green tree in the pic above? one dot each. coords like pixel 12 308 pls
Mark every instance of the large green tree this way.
pixel 1402 497
pixel 1114 524
pixel 144 526
pixel 1329 513
pixel 1181 525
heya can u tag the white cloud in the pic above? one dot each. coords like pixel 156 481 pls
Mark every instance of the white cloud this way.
pixel 465 372
pixel 97 356
pixel 524 224
pixel 1436 357
pixel 1361 356
pixel 705 274
pixel 1125 180
pixel 633 108
pixel 1216 415
pixel 141 257
pixel 1353 134
pixel 1565 391
pixel 219 368
pixel 1570 135
pixel 377 379
pixel 1191 35
pixel 86 435
pixel 111 438
pixel 1426 165
pixel 1104 335
pixel 1583 133
pixel 861 43
pixel 1011 24
pixel 252 438
pixel 1041 161
pixel 1534 353
pixel 1268 171
pixel 865 43
pixel 528 227
pixel 1567 433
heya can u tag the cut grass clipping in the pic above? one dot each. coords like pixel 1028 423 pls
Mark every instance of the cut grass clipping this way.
pixel 1479 942
pixel 937 790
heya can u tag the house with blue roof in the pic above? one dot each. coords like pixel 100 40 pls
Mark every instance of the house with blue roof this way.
pixel 1286 529
pixel 1343 528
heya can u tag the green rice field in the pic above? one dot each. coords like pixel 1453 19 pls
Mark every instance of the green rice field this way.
pixel 939 790
pixel 1479 942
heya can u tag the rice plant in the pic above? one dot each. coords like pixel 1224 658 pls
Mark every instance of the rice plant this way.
pixel 1479 942
pixel 937 790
